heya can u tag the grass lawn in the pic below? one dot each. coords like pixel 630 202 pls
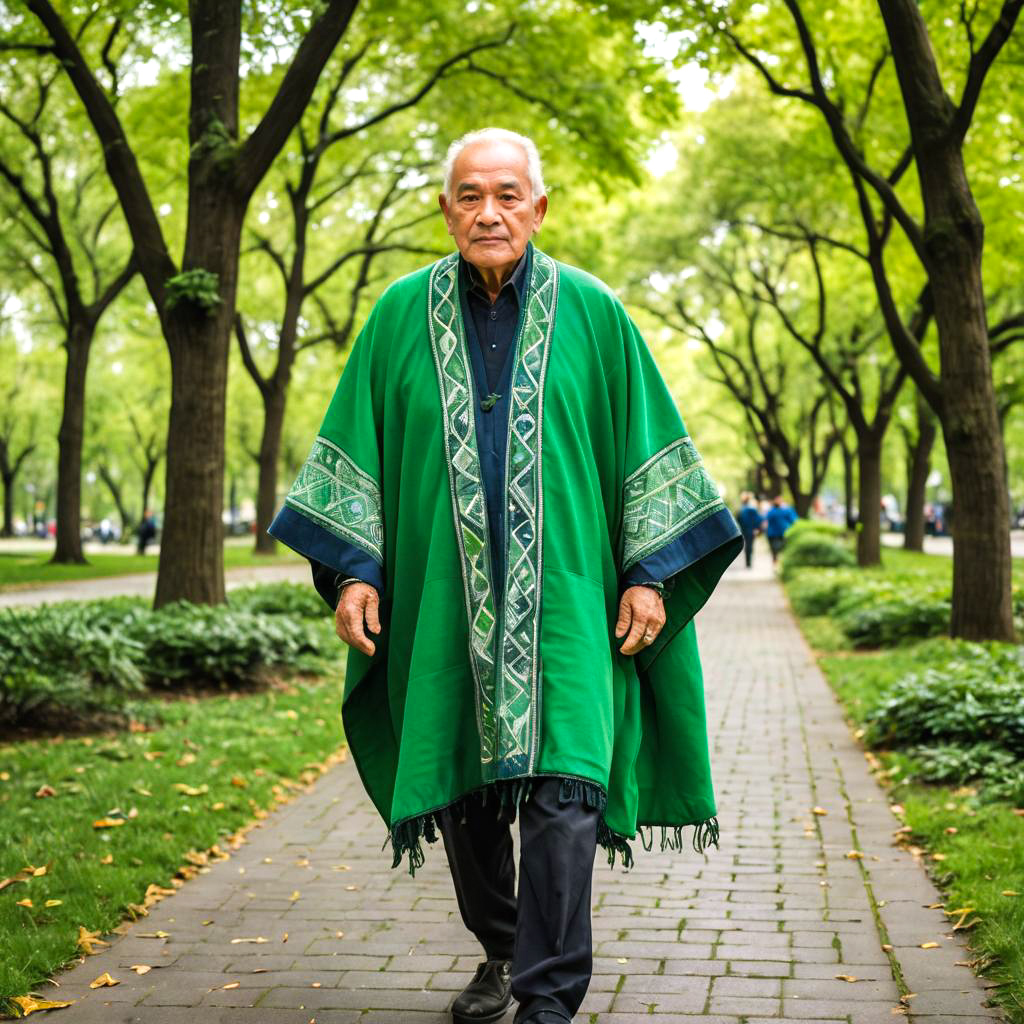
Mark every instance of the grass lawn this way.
pixel 208 767
pixel 973 849
pixel 18 569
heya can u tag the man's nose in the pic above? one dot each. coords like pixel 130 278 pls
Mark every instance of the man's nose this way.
pixel 488 212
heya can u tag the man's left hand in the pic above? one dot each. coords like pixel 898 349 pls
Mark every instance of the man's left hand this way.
pixel 641 616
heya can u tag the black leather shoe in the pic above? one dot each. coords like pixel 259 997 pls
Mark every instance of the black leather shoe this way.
pixel 487 996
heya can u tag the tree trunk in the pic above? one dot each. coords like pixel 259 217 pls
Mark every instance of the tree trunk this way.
pixel 849 493
pixel 147 481
pixel 69 440
pixel 191 564
pixel 802 503
pixel 952 244
pixel 115 492
pixel 8 527
pixel 269 456
pixel 919 466
pixel 869 506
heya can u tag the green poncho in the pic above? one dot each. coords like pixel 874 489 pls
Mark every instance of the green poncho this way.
pixel 469 692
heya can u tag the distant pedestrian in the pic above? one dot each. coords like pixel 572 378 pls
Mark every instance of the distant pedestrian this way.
pixel 779 519
pixel 751 523
pixel 146 531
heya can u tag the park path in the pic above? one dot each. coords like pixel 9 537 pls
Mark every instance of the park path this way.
pixel 143 584
pixel 755 933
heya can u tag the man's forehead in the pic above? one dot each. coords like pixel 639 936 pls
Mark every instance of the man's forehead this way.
pixel 493 163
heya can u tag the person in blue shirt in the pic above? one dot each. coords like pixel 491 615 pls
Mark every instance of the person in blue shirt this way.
pixel 779 519
pixel 749 518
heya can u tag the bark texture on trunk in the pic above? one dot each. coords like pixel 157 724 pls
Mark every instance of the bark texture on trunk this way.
pixel 8 526
pixel 70 437
pixel 269 454
pixel 869 508
pixel 919 464
pixel 849 494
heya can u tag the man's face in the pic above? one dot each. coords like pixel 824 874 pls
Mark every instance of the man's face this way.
pixel 492 212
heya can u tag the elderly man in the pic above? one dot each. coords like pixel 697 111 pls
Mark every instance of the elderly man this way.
pixel 521 531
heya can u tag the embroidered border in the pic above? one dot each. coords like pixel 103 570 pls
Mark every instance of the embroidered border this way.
pixel 520 700
pixel 336 494
pixel 504 654
pixel 668 495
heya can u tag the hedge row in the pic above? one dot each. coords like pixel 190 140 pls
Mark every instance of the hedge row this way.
pixel 85 663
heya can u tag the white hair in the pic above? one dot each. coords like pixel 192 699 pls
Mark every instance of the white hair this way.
pixel 528 146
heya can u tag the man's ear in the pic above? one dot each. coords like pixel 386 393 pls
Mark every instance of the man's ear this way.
pixel 442 201
pixel 539 209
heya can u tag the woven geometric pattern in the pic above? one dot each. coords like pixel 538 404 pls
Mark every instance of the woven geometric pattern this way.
pixel 335 493
pixel 503 654
pixel 524 525
pixel 668 495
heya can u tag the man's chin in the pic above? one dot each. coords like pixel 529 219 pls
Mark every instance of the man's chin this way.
pixel 491 254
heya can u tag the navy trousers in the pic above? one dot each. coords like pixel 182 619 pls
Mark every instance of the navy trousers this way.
pixel 546 930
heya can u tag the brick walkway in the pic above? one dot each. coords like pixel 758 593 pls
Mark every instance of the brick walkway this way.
pixel 756 932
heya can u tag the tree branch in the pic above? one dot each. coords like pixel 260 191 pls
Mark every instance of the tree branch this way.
pixel 258 151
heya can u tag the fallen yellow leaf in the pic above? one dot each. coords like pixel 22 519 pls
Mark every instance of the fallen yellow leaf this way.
pixel 46 790
pixel 188 790
pixel 1009 892
pixel 259 938
pixel 24 903
pixel 140 968
pixel 929 945
pixel 237 780
pixel 818 810
pixel 847 977
pixel 87 939
pixel 855 855
pixel 294 896
pixel 109 859
pixel 109 822
pixel 27 1005
pixel 231 984
pixel 53 903
pixel 104 980
pixel 36 872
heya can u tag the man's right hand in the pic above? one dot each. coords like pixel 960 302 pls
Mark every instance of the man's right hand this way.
pixel 358 601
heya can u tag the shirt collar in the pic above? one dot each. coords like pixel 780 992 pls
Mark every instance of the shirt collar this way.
pixel 470 278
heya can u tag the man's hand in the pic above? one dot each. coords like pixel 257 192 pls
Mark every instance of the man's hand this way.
pixel 641 615
pixel 358 601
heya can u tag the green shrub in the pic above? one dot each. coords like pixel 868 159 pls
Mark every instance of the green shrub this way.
pixel 222 646
pixel 818 527
pixel 814 549
pixel 962 722
pixel 977 697
pixel 79 663
pixel 818 592
pixel 296 599
pixel 66 659
pixel 873 623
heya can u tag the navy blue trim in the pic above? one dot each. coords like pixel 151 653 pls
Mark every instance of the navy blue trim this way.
pixel 685 550
pixel 328 555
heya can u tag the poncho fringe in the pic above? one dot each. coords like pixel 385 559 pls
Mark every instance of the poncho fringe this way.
pixel 507 795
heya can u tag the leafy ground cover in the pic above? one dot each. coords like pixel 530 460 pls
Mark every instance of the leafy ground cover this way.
pixel 98 827
pixel 943 722
pixel 29 568
pixel 82 664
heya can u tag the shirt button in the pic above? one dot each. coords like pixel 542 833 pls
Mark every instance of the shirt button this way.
pixel 494 314
pixel 494 346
